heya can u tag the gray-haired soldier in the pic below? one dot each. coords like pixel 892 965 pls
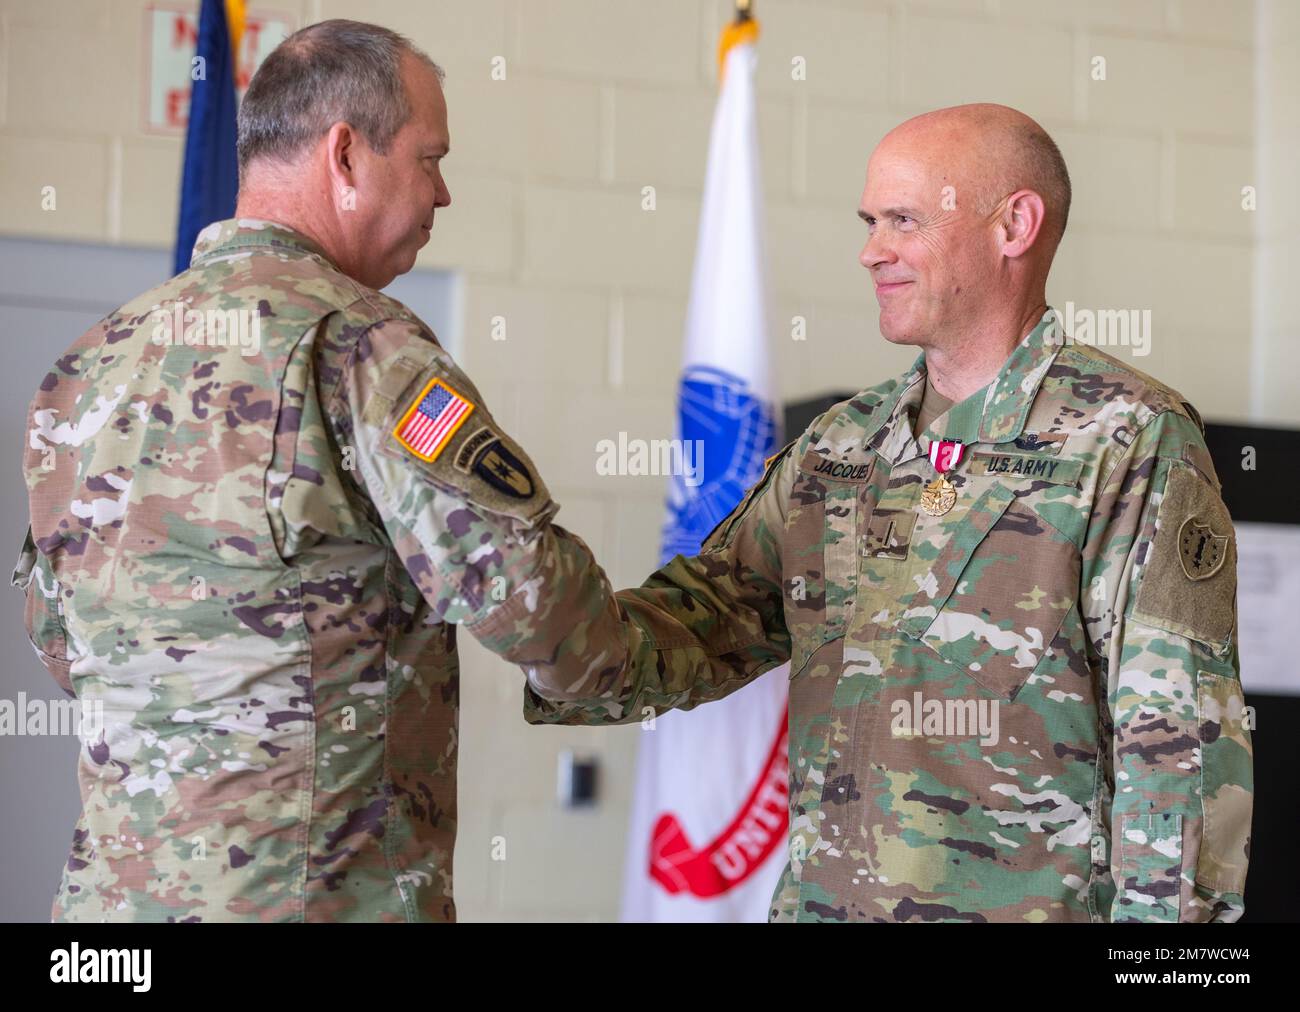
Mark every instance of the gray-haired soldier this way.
pixel 262 498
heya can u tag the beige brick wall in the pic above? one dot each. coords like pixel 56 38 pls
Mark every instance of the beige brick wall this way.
pixel 604 97
pixel 1276 349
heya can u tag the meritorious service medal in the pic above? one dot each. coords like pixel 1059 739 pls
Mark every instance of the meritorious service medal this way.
pixel 938 497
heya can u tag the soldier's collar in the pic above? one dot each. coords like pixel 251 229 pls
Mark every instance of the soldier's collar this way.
pixel 1012 393
pixel 891 436
pixel 222 238
pixel 1007 399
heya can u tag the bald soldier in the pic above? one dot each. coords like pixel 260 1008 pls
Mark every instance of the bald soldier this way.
pixel 1005 583
pixel 262 499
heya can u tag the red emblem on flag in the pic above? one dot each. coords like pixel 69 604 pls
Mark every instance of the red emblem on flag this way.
pixel 739 850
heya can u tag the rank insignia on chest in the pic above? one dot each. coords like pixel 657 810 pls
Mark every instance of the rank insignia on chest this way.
pixel 939 496
pixel 432 419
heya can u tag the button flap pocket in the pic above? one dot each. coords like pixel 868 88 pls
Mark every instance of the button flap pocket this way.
pixel 998 594
pixel 955 540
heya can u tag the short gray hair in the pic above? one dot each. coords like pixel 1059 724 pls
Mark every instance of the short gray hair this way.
pixel 1049 176
pixel 320 75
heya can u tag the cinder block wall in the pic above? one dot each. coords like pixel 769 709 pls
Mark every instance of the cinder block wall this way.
pixel 602 98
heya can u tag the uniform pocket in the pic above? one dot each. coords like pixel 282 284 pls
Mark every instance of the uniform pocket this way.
pixel 819 563
pixel 42 613
pixel 1149 864
pixel 1227 783
pixel 999 592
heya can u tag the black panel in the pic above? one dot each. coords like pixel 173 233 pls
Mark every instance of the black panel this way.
pixel 799 414
pixel 1270 494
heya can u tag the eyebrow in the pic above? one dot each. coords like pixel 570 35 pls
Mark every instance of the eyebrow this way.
pixel 889 212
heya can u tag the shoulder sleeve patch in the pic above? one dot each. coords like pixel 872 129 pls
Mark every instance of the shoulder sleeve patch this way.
pixel 440 427
pixel 432 418
pixel 1189 579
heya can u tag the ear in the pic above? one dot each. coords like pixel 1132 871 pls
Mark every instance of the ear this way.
pixel 341 151
pixel 1022 220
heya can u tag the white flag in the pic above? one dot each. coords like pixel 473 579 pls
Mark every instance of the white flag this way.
pixel 710 810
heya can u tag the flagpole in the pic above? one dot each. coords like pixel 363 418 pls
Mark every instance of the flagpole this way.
pixel 711 847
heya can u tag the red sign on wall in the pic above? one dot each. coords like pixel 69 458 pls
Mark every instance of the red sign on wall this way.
pixel 171 38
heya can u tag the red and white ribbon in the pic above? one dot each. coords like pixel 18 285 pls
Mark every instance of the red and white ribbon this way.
pixel 945 454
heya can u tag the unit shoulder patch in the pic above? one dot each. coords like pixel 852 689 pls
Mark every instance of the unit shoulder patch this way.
pixel 504 471
pixel 1200 550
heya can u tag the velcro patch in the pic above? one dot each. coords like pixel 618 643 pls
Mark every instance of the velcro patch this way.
pixel 1036 468
pixel 1189 585
pixel 426 427
pixel 397 376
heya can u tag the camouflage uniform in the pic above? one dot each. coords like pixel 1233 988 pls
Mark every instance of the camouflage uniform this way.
pixel 238 558
pixel 1083 583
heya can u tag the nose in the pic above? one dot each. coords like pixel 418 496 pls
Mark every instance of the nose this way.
pixel 876 251
pixel 442 196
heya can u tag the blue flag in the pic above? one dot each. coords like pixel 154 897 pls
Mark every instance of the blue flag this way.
pixel 210 180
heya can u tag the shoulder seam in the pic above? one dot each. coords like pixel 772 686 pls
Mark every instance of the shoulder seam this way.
pixel 1150 382
pixel 1137 434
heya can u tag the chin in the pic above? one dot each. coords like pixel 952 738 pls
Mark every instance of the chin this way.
pixel 391 272
pixel 407 262
pixel 895 333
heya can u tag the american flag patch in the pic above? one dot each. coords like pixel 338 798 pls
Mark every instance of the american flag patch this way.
pixel 430 422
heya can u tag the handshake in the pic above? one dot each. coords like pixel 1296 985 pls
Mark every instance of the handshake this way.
pixel 1004 581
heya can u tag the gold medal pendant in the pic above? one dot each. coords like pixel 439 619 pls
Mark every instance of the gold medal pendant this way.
pixel 938 497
